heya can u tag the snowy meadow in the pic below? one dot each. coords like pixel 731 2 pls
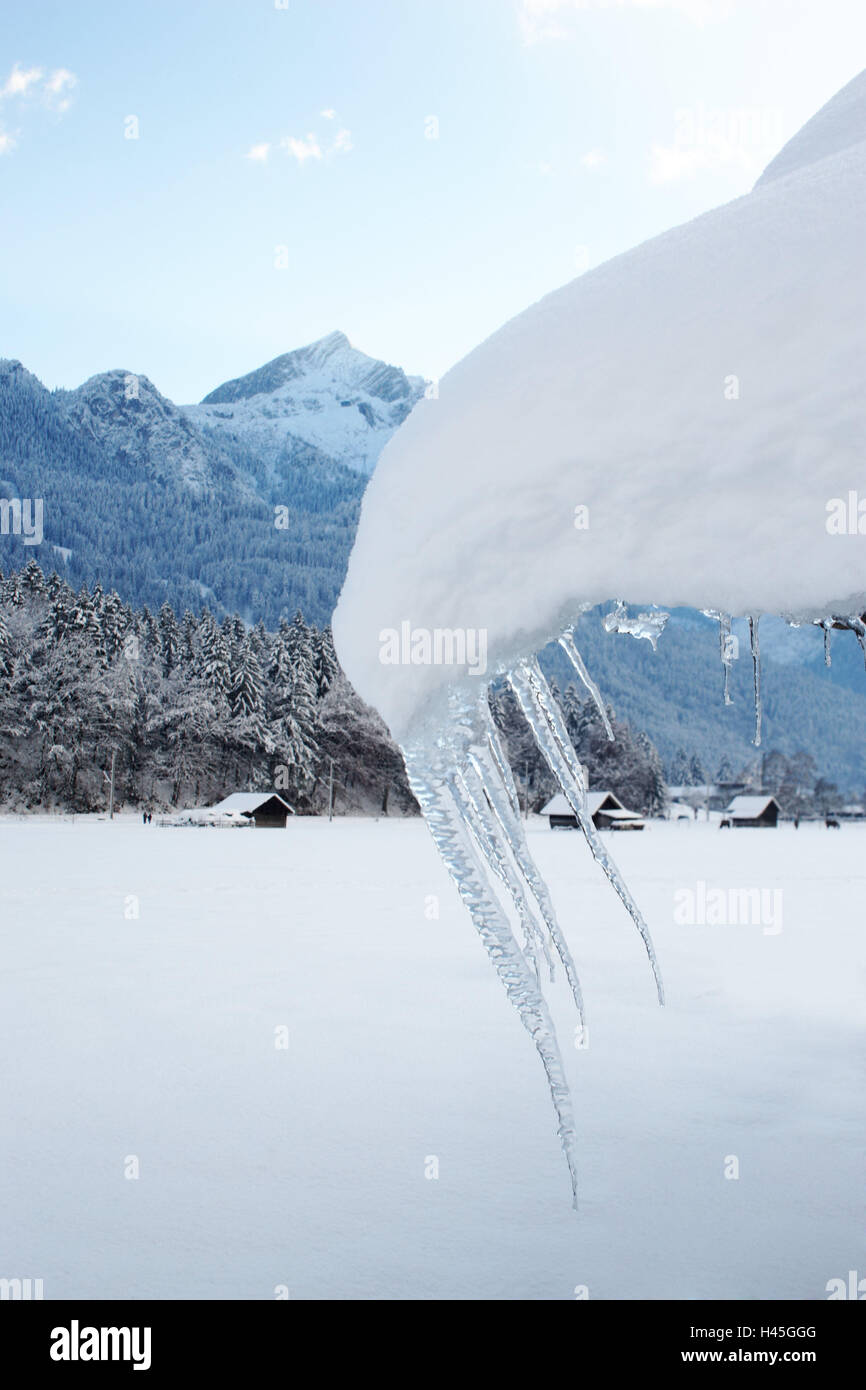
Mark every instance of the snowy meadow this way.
pixel 259 1065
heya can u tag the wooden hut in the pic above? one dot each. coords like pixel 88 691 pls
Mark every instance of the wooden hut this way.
pixel 605 809
pixel 267 810
pixel 757 811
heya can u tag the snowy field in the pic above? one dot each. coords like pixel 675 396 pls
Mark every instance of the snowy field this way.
pixel 153 1036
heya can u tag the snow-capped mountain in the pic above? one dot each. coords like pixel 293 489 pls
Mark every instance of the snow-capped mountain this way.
pixel 127 416
pixel 327 395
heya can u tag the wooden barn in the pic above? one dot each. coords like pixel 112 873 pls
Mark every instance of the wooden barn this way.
pixel 606 810
pixel 267 810
pixel 758 811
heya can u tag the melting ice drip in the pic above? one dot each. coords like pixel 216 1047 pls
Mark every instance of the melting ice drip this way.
pixel 465 788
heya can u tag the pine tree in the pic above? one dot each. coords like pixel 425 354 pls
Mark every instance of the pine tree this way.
pixel 169 639
pixel 246 692
pixel 32 579
pixel 5 649
pixel 325 663
pixel 216 663
pixel 697 775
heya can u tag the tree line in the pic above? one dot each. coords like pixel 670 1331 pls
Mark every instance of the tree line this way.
pixel 793 779
pixel 191 708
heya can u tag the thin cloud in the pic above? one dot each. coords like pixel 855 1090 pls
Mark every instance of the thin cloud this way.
pixel 26 87
pixel 593 159
pixel 58 87
pixel 329 114
pixel 19 81
pixel 302 148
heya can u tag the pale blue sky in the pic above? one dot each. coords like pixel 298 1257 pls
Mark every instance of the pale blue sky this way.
pixel 568 131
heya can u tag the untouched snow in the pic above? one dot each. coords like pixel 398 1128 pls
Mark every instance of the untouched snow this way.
pixel 701 396
pixel 154 1036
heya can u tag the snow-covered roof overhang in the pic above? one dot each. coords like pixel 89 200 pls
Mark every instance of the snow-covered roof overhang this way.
pixel 701 396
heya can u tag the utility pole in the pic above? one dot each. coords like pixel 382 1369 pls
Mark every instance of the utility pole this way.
pixel 110 781
pixel 331 792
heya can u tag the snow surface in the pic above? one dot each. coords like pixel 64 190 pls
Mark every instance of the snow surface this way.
pixel 615 393
pixel 154 1036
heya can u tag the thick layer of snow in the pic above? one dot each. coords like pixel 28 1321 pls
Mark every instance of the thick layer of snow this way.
pixel 154 1036
pixel 835 127
pixel 701 396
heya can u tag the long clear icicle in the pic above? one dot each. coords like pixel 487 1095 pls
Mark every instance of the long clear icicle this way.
pixel 544 718
pixel 725 646
pixel 472 802
pixel 498 757
pixel 569 646
pixel 512 828
pixel 755 644
pixel 443 814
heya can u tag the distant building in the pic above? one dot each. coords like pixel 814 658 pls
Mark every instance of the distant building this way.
pixel 708 796
pixel 756 811
pixel 606 810
pixel 264 809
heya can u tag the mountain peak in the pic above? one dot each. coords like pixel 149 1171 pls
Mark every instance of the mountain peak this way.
pixel 328 395
pixel 124 412
pixel 346 367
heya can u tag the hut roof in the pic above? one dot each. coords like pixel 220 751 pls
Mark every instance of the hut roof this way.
pixel 750 807
pixel 248 802
pixel 560 806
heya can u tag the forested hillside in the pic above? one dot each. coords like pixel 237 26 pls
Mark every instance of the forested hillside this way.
pixel 193 708
pixel 180 516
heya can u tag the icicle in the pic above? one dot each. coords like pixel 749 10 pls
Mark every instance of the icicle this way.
pixel 569 646
pixel 755 645
pixel 726 654
pixel 856 625
pixel 512 828
pixel 436 799
pixel 828 628
pixel 543 716
pixel 648 625
pixel 472 803
pixel 497 754
pixel 726 651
